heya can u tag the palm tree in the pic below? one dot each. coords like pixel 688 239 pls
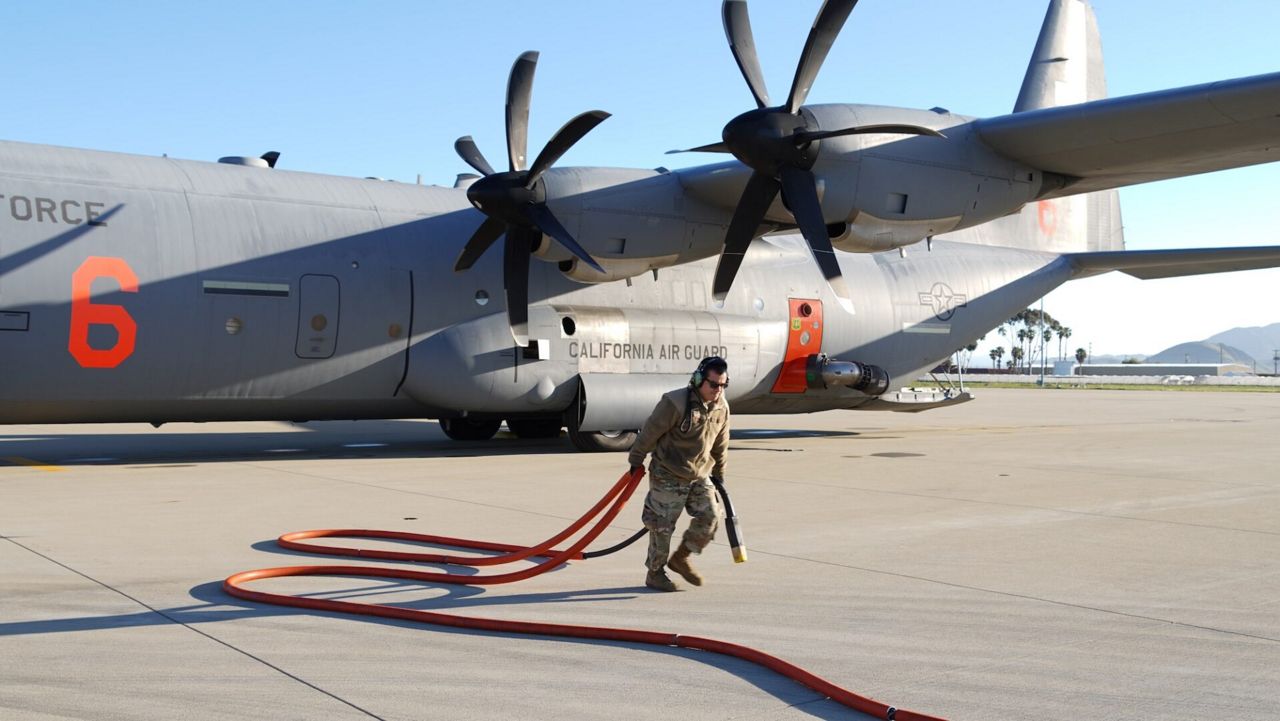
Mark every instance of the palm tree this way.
pixel 1017 354
pixel 996 354
pixel 1081 354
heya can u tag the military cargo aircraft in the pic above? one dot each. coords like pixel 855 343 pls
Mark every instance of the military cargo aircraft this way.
pixel 842 251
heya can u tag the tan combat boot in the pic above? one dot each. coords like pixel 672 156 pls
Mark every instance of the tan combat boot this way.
pixel 680 564
pixel 658 581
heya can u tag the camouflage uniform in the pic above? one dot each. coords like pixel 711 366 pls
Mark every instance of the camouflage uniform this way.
pixel 678 475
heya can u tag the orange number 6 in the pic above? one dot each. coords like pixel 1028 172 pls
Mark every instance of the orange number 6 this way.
pixel 85 313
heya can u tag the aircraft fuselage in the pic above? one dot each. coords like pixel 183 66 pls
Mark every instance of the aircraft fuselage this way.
pixel 151 289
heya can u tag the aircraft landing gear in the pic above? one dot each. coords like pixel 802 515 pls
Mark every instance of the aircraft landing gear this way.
pixel 535 427
pixel 467 429
pixel 597 441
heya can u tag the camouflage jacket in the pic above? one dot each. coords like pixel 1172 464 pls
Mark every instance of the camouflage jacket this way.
pixel 684 454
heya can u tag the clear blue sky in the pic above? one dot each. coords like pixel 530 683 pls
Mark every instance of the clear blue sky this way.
pixel 384 89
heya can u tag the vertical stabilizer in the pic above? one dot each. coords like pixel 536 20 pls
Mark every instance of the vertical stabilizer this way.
pixel 1066 69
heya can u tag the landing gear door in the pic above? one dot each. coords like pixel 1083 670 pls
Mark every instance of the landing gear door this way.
pixel 318 303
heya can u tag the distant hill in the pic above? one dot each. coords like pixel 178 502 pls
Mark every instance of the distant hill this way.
pixel 1203 352
pixel 1259 342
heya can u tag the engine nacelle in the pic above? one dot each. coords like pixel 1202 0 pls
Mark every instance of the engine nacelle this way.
pixel 887 191
pixel 821 373
pixel 615 269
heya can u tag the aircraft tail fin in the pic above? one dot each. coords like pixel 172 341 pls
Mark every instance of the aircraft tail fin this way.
pixel 1066 69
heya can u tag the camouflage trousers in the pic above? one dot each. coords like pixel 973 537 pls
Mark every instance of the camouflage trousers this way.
pixel 667 496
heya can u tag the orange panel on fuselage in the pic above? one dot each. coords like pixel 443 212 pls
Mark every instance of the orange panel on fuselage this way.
pixel 804 338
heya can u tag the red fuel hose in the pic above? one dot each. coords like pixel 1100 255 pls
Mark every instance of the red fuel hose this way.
pixel 609 505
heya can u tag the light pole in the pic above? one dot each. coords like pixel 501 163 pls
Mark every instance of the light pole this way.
pixel 1041 341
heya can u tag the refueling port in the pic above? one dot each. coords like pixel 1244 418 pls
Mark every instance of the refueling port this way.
pixel 821 373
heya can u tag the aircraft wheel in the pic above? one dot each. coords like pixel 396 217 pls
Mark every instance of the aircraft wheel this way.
pixel 466 429
pixel 535 427
pixel 596 441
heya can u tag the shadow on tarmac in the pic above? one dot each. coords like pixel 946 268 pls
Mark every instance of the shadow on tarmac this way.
pixel 216 606
pixel 320 440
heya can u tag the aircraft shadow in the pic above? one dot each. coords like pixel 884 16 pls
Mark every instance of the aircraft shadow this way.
pixel 216 606
pixel 319 440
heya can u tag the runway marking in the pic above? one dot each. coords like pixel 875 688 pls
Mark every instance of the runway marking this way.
pixel 40 465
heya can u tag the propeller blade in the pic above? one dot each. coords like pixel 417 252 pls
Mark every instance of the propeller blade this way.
pixel 468 151
pixel 549 224
pixel 737 28
pixel 799 190
pixel 823 34
pixel 515 278
pixel 480 241
pixel 712 148
pixel 565 137
pixel 519 91
pixel 888 129
pixel 755 201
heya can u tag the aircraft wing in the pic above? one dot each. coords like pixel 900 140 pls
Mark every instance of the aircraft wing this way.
pixel 1140 138
pixel 1151 264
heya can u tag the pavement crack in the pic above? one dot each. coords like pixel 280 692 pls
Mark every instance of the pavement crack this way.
pixel 1023 596
pixel 1025 506
pixel 189 627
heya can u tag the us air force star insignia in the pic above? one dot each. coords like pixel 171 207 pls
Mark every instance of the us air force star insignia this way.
pixel 943 300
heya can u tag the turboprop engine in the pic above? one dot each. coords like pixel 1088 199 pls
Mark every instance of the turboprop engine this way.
pixel 822 372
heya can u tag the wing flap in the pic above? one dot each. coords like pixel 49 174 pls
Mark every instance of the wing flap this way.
pixel 1152 264
pixel 1140 138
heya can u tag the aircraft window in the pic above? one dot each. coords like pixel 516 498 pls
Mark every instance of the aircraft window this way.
pixel 568 325
pixel 319 322
pixel 482 298
pixel 234 325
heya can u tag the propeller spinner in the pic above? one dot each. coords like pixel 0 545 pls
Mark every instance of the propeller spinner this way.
pixel 515 201
pixel 779 145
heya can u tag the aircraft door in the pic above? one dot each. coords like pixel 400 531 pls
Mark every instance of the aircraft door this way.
pixel 318 303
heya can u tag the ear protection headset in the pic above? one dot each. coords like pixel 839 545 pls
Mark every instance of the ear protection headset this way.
pixel 710 363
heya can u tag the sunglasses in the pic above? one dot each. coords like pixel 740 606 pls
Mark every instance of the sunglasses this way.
pixel 717 386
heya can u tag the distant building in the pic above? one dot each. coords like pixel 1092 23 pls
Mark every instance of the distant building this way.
pixel 1163 369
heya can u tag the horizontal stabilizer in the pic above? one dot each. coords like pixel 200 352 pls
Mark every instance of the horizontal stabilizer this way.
pixel 1151 264
pixel 1116 142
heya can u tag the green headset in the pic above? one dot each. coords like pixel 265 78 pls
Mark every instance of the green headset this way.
pixel 710 363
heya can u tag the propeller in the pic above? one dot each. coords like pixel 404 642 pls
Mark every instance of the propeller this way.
pixel 515 201
pixel 780 145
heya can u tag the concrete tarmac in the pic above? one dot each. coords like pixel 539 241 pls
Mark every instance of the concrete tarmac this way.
pixel 1031 555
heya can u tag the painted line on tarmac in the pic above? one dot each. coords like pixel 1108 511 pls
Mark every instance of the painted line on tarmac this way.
pixel 41 465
